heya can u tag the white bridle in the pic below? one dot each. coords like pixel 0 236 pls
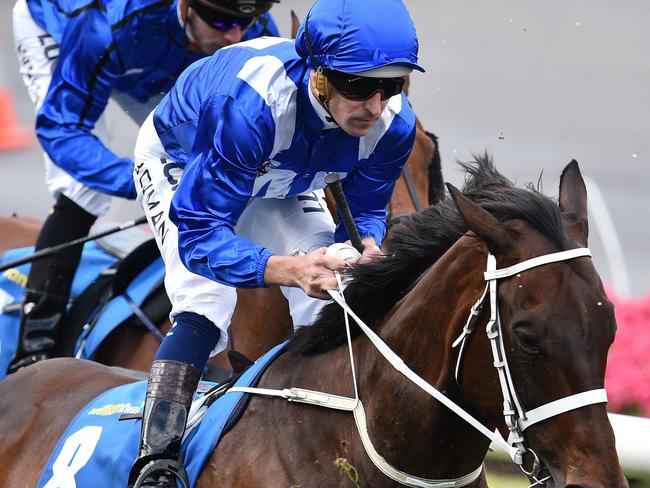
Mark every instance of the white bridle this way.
pixel 516 418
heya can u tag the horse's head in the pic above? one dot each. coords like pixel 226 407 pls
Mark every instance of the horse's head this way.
pixel 557 326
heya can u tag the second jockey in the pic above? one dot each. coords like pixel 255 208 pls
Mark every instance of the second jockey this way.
pixel 74 55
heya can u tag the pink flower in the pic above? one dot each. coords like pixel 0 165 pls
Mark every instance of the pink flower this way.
pixel 627 377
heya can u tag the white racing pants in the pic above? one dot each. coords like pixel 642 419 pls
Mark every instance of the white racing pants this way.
pixel 284 226
pixel 37 55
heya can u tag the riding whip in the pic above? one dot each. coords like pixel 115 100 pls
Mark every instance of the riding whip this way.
pixel 48 251
pixel 333 181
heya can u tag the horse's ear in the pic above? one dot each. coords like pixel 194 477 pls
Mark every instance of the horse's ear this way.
pixel 485 225
pixel 573 203
pixel 295 24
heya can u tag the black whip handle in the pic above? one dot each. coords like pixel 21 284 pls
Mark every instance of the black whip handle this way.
pixel 48 251
pixel 333 181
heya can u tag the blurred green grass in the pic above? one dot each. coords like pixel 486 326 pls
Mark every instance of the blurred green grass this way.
pixel 502 475
pixel 506 481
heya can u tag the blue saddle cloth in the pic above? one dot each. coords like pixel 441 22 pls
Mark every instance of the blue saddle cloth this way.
pixel 12 287
pixel 94 260
pixel 98 450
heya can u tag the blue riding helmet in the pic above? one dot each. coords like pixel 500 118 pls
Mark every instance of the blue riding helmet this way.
pixel 344 36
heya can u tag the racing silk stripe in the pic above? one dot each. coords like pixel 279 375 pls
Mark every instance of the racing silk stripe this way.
pixel 93 81
pixel 94 4
pixel 106 55
pixel 368 143
pixel 267 76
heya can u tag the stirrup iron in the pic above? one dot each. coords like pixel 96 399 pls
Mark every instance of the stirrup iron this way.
pixel 175 469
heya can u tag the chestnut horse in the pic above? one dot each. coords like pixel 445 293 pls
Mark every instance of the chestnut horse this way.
pixel 261 318
pixel 556 325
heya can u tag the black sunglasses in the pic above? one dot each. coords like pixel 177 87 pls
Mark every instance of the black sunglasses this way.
pixel 355 87
pixel 220 21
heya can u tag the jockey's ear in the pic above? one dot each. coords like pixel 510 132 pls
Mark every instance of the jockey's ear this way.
pixel 485 225
pixel 573 203
pixel 407 85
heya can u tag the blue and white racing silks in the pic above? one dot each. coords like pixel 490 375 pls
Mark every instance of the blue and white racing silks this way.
pixel 244 123
pixel 137 47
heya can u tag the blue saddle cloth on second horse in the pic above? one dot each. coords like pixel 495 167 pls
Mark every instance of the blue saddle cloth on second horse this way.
pixel 12 287
pixel 97 449
pixel 95 259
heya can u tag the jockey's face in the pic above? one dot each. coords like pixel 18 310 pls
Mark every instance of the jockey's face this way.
pixel 209 39
pixel 356 117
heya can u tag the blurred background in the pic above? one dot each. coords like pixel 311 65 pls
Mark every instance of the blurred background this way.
pixel 535 84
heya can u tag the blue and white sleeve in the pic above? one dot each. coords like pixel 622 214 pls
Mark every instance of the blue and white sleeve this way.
pixel 214 190
pixel 78 94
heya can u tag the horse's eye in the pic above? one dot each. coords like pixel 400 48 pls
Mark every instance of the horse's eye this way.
pixel 528 341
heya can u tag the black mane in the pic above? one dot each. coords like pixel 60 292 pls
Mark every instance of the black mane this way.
pixel 417 242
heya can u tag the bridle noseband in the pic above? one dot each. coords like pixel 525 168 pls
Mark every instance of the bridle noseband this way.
pixel 516 418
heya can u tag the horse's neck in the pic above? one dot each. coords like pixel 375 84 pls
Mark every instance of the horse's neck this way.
pixel 410 428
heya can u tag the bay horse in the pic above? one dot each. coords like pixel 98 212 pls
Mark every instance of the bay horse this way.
pixel 261 318
pixel 556 325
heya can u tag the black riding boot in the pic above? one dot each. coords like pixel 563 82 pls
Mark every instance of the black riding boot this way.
pixel 49 283
pixel 40 329
pixel 170 391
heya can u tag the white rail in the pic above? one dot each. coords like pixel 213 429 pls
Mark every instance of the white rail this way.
pixel 604 223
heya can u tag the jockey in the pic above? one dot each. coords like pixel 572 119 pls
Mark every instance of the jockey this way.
pixel 74 56
pixel 230 169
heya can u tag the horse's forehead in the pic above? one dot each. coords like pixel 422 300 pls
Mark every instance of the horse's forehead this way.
pixel 570 280
pixel 557 294
pixel 528 242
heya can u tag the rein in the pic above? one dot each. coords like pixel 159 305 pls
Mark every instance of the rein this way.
pixel 410 186
pixel 516 418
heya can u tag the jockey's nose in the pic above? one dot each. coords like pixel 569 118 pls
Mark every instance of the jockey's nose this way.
pixel 373 105
pixel 233 35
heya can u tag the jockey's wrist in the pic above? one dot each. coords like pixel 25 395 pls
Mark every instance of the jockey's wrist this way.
pixel 281 271
pixel 368 241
